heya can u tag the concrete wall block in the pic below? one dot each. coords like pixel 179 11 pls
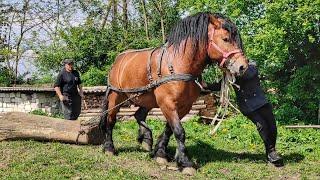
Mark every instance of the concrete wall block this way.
pixel 2 95
pixel 34 96
pixel 9 109
pixel 12 99
pixel 19 100
pixel 1 104
pixel 27 108
pixel 34 105
pixel 7 95
pixel 6 99
pixel 23 96
pixel 12 95
pixel 18 94
pixel 10 105
pixel 21 106
pixel 1 109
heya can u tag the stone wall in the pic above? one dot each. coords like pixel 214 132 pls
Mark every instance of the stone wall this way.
pixel 29 101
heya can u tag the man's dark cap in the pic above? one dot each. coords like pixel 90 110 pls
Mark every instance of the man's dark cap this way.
pixel 68 61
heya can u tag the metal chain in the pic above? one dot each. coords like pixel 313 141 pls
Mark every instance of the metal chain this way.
pixel 92 122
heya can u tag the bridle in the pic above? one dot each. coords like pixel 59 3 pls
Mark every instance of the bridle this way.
pixel 225 55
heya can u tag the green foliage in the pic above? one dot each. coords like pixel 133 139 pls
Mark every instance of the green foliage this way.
pixel 6 76
pixel 39 112
pixel 94 76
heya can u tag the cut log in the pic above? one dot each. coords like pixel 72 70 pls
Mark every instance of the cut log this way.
pixel 17 125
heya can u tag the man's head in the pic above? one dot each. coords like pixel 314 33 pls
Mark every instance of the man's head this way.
pixel 68 64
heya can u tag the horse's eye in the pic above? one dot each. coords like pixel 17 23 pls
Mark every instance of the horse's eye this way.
pixel 225 39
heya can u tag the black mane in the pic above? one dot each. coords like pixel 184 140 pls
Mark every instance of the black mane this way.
pixel 195 28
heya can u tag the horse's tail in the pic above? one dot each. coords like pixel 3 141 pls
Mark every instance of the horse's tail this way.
pixel 104 112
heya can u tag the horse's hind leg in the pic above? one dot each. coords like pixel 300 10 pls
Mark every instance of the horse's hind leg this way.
pixel 108 120
pixel 144 133
pixel 160 149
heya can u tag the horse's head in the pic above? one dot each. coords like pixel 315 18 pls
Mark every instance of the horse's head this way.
pixel 225 46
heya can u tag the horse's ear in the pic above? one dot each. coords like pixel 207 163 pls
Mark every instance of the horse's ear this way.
pixel 215 22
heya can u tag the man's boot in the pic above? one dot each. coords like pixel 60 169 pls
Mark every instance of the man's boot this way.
pixel 275 159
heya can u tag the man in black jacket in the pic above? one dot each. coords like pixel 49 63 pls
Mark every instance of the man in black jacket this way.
pixel 69 90
pixel 254 105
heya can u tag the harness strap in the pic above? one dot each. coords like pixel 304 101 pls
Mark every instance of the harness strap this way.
pixel 156 83
pixel 149 66
pixel 163 50
pixel 225 55
pixel 170 66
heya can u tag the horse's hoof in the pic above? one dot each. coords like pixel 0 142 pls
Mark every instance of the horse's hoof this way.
pixel 190 171
pixel 161 160
pixel 145 146
pixel 109 152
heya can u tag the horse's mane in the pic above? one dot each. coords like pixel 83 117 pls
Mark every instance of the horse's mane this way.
pixel 194 28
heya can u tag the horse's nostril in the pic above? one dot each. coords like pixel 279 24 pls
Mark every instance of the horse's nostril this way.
pixel 241 68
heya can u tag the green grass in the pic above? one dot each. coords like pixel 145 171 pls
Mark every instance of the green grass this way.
pixel 236 152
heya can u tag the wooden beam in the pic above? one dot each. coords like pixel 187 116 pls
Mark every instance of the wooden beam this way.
pixel 303 126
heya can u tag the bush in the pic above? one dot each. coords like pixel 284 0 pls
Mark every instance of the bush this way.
pixel 94 77
pixel 39 112
pixel 5 76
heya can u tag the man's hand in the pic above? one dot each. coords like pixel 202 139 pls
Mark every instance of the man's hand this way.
pixel 81 94
pixel 61 97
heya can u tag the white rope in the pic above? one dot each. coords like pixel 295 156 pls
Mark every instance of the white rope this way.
pixel 227 81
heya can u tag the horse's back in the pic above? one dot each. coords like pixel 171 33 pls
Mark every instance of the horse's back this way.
pixel 130 69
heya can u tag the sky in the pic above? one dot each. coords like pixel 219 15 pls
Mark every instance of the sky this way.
pixel 26 62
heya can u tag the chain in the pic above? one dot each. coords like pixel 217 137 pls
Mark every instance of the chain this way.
pixel 93 122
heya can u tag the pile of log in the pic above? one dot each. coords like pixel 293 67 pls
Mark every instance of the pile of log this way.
pixel 127 113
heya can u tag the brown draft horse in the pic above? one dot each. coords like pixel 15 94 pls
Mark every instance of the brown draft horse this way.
pixel 193 43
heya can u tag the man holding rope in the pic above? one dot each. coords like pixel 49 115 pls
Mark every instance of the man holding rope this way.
pixel 254 105
pixel 69 90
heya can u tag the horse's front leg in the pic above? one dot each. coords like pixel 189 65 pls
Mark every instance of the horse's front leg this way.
pixel 181 157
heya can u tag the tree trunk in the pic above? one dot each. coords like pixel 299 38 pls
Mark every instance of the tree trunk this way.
pixel 146 28
pixel 114 12
pixel 16 125
pixel 162 22
pixel 104 21
pixel 125 14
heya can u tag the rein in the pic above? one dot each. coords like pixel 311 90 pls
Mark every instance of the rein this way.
pixel 225 55
pixel 227 81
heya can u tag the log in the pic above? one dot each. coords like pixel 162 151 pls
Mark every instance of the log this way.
pixel 17 125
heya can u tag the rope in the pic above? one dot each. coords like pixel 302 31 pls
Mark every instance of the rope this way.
pixel 94 121
pixel 227 81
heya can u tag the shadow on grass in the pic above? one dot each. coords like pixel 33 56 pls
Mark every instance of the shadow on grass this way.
pixel 130 149
pixel 205 153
